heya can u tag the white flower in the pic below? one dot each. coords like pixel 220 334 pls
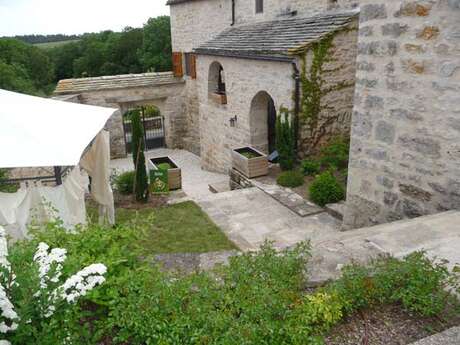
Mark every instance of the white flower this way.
pixel 4 342
pixel 45 260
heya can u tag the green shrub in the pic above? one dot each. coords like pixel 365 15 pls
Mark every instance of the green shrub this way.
pixel 6 187
pixel 124 183
pixel 164 166
pixel 310 167
pixel 285 141
pixel 336 154
pixel 416 281
pixel 290 179
pixel 325 189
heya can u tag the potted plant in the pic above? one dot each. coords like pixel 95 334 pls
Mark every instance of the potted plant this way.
pixel 250 162
pixel 174 172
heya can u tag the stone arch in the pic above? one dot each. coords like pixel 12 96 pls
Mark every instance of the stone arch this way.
pixel 262 122
pixel 216 78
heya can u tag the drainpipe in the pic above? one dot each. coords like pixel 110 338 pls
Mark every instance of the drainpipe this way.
pixel 233 12
pixel 296 103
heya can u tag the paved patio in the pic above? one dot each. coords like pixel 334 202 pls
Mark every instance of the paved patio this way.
pixel 195 181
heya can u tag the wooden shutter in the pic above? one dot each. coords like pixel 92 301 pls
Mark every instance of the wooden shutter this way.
pixel 177 64
pixel 193 66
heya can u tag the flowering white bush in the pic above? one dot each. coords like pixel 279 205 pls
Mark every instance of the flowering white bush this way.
pixel 50 292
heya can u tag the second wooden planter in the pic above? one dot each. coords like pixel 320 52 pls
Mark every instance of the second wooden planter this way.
pixel 250 162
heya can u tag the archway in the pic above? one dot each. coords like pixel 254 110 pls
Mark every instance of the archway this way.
pixel 263 122
pixel 153 126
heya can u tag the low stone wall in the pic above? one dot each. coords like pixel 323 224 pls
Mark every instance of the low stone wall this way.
pixel 405 148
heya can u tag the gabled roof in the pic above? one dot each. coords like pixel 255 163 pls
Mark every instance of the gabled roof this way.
pixel 71 86
pixel 277 38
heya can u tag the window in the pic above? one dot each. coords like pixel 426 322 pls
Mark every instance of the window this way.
pixel 259 6
pixel 177 64
pixel 216 88
pixel 190 65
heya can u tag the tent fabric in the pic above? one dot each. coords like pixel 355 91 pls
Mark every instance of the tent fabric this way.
pixel 37 132
pixel 96 162
pixel 39 204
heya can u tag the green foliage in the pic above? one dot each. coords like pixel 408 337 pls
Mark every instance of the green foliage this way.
pixel 335 155
pixel 124 183
pixel 290 179
pixel 24 68
pixel 141 180
pixel 6 187
pixel 285 140
pixel 164 166
pixel 325 189
pixel 156 48
pixel 310 167
pixel 416 281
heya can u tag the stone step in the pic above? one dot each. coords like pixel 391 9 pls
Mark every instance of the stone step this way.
pixel 448 337
pixel 336 210
pixel 287 197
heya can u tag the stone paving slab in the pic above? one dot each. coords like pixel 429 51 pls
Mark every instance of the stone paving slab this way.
pixel 448 337
pixel 250 216
pixel 289 198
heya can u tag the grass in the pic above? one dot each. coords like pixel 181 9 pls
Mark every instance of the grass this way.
pixel 179 228
pixel 50 45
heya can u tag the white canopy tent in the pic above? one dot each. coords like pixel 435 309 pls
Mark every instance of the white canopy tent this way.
pixel 41 132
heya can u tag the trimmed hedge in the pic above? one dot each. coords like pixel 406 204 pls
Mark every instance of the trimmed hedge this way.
pixel 290 179
pixel 325 189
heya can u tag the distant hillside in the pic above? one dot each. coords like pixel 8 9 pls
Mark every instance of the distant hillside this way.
pixel 38 39
pixel 50 45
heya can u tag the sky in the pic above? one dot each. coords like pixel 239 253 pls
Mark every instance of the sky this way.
pixel 22 17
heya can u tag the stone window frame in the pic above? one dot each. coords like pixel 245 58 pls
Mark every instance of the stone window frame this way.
pixel 216 83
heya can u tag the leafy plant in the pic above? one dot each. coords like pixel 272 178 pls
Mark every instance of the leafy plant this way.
pixel 285 140
pixel 141 180
pixel 164 166
pixel 335 155
pixel 124 183
pixel 310 167
pixel 6 187
pixel 290 179
pixel 325 189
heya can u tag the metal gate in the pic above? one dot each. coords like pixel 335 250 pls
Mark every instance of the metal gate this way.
pixel 154 131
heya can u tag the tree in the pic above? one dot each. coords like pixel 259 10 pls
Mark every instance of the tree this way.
pixel 138 144
pixel 285 140
pixel 156 50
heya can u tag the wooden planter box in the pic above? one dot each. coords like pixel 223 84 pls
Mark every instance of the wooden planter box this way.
pixel 219 98
pixel 250 162
pixel 174 174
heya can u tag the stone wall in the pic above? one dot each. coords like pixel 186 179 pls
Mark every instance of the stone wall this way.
pixel 244 80
pixel 405 149
pixel 195 22
pixel 170 99
pixel 337 85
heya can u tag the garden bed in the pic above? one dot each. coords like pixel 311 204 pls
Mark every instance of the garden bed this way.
pixel 389 325
pixel 250 162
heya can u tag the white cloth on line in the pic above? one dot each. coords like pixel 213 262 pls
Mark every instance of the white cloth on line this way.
pixel 96 162
pixel 41 204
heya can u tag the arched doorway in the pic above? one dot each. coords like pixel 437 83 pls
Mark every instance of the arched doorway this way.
pixel 153 125
pixel 263 122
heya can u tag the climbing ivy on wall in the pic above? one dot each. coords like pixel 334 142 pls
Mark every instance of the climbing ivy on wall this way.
pixel 312 92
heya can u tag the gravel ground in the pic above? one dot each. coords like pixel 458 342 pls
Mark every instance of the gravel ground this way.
pixel 389 325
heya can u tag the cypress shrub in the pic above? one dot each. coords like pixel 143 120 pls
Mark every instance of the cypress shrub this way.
pixel 141 182
pixel 285 140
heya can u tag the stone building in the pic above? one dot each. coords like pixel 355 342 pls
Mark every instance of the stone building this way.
pixel 405 150
pixel 236 64
pixel 244 61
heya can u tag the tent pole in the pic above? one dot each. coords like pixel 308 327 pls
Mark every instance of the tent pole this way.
pixel 57 175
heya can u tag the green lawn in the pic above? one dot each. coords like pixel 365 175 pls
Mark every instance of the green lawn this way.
pixel 180 228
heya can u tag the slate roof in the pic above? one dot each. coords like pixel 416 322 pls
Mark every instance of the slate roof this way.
pixel 277 38
pixel 70 86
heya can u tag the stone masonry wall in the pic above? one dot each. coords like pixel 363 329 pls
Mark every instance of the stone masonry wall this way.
pixel 337 86
pixel 169 99
pixel 405 149
pixel 244 80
